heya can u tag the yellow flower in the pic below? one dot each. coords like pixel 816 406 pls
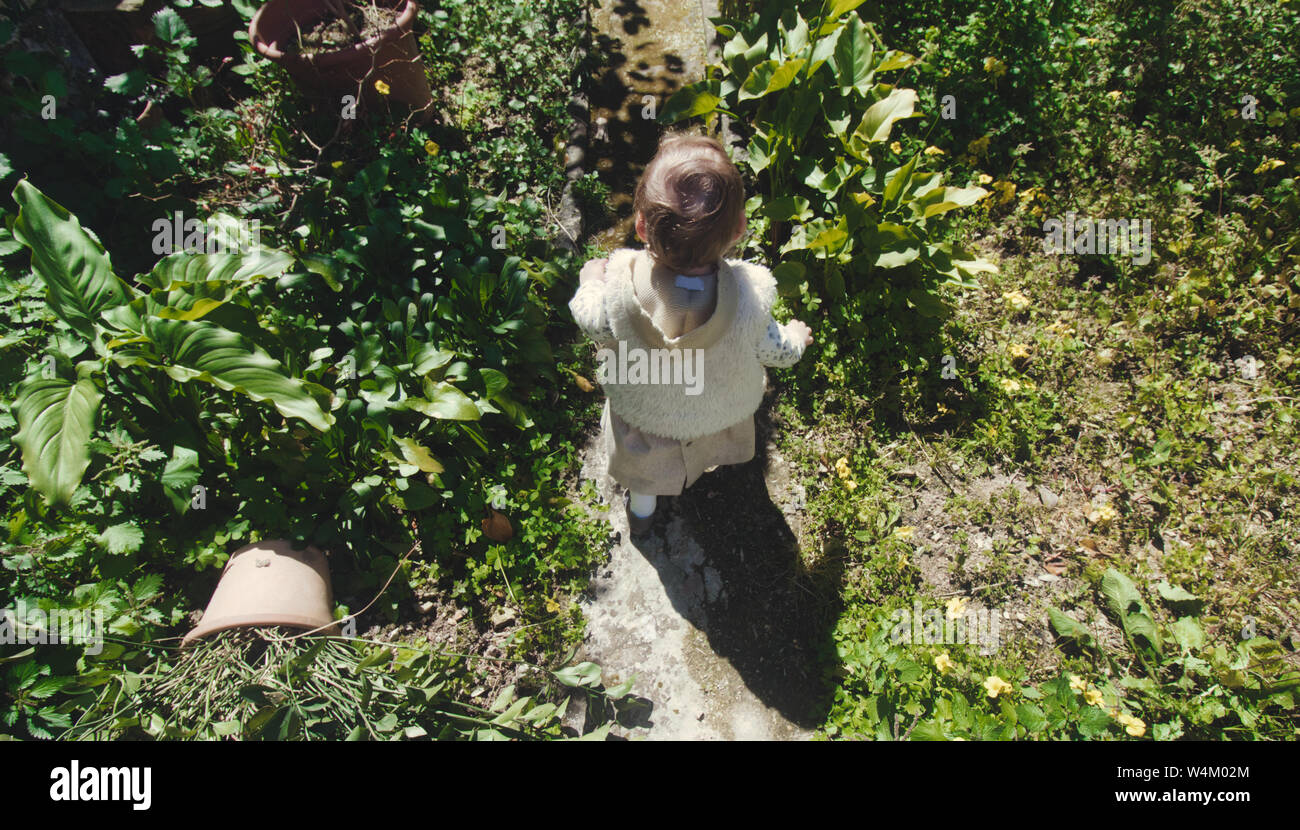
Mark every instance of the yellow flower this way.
pixel 851 484
pixel 934 151
pixel 1018 350
pixel 1006 191
pixel 995 685
pixel 1102 513
pixel 979 146
pixel 995 67
pixel 1009 385
pixel 895 148
pixel 904 532
pixel 941 409
pixel 985 178
pixel 1113 95
pixel 1060 327
pixel 842 468
pixel 956 607
pixel 1093 697
pixel 1017 301
pixel 1077 684
pixel 381 88
pixel 552 606
pixel 1133 726
pixel 431 147
pixel 944 663
pixel 1268 164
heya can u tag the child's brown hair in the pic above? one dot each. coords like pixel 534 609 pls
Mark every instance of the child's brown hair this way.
pixel 693 201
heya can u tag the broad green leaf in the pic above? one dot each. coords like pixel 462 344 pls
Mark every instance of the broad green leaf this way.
pixel 794 39
pixel 898 181
pixel 583 674
pixel 741 56
pixel 1031 717
pixel 768 77
pixel 1068 628
pixel 206 352
pixel 898 245
pixel 426 356
pixel 621 690
pixel 79 279
pixel 180 475
pixel 121 538
pixel 690 101
pixel 1124 601
pixel 494 381
pixel 977 265
pixel 130 83
pixel 503 699
pixel 955 197
pixel 879 118
pixel 829 238
pixel 787 208
pixel 923 301
pixel 1188 634
pixel 1177 598
pixel 181 269
pixel 824 49
pixel 445 401
pixel 169 26
pixel 839 7
pixel 327 268
pixel 1121 594
pixel 417 455
pixel 894 59
pixel 853 58
pixel 789 274
pixel 55 418
pixel 762 151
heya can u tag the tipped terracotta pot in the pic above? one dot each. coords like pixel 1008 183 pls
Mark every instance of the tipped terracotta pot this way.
pixel 392 57
pixel 270 583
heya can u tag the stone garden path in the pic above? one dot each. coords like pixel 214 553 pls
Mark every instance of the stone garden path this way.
pixel 708 615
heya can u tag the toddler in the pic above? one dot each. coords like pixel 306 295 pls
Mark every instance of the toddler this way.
pixel 684 333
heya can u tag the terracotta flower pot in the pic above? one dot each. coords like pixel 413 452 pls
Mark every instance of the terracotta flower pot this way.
pixel 270 583
pixel 392 57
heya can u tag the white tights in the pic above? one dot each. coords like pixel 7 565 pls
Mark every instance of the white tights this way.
pixel 642 505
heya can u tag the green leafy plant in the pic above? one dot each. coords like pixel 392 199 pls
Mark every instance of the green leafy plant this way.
pixel 162 331
pixel 858 229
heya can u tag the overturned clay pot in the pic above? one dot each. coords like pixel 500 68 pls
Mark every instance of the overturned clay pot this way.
pixel 268 584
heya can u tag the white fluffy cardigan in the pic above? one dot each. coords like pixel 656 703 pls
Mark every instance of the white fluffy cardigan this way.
pixel 737 341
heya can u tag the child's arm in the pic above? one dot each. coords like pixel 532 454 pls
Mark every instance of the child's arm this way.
pixel 588 305
pixel 782 346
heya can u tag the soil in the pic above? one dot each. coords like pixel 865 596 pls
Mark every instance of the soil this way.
pixel 330 33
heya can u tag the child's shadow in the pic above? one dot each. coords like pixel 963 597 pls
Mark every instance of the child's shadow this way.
pixel 746 588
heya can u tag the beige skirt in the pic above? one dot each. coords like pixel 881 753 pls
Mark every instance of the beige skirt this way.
pixel 659 466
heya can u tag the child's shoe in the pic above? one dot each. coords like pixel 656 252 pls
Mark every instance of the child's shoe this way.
pixel 639 526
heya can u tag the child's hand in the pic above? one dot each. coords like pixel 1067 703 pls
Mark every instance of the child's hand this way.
pixel 593 271
pixel 801 329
